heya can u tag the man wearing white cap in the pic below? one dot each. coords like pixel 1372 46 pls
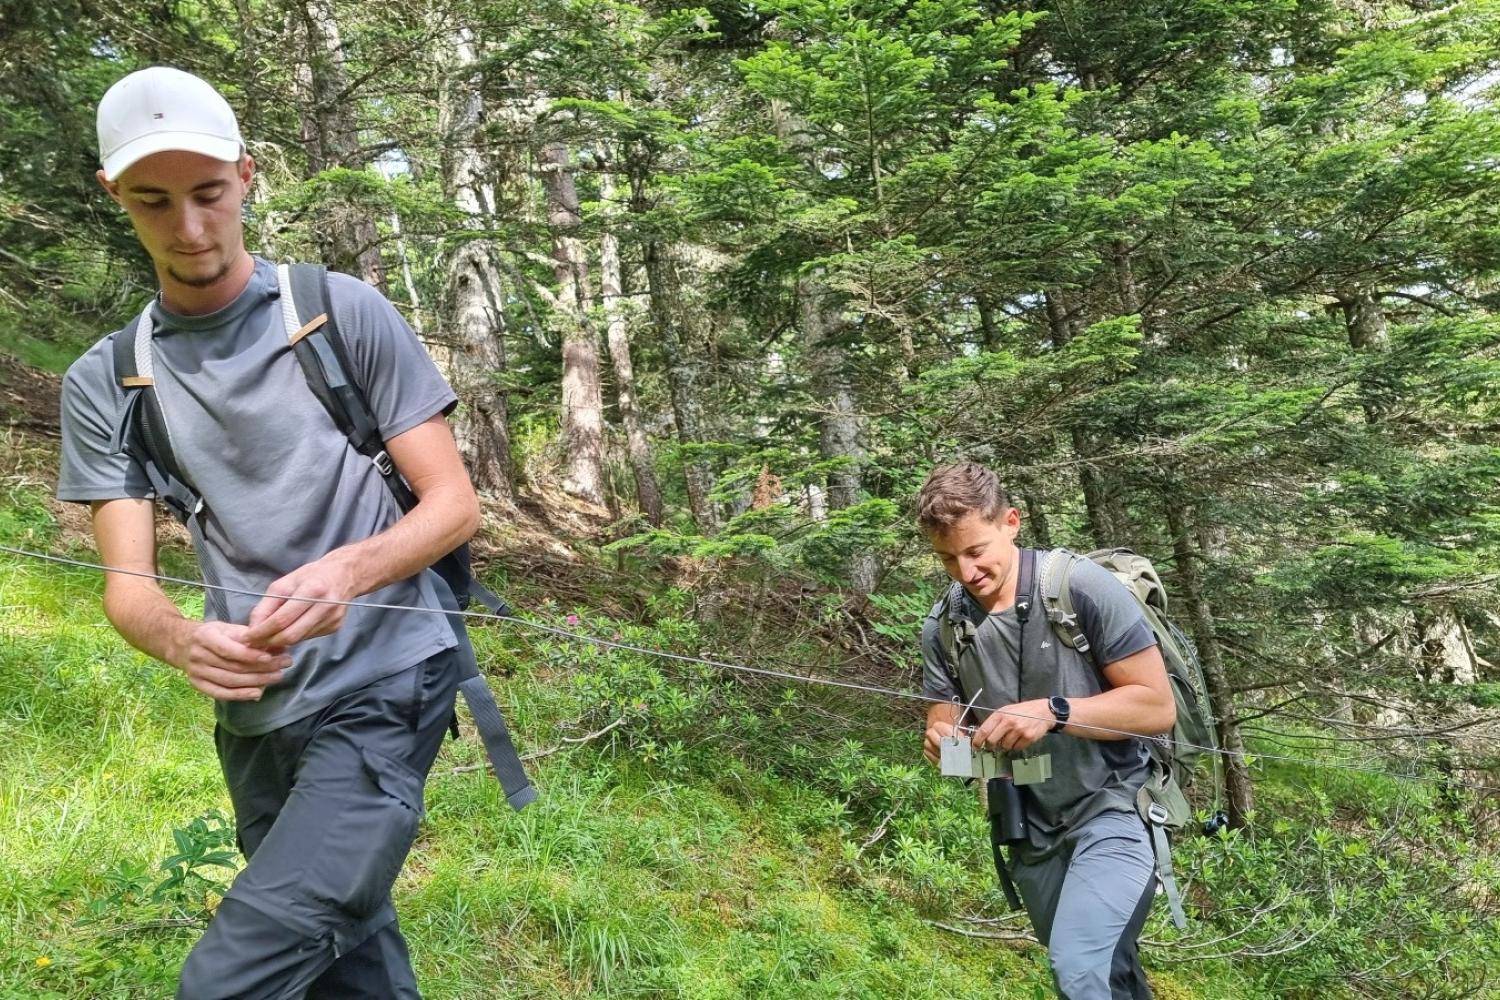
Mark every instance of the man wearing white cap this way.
pixel 328 717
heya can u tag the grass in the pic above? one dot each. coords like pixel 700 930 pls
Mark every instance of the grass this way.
pixel 718 844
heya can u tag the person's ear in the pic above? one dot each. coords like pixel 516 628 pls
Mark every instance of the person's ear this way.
pixel 111 188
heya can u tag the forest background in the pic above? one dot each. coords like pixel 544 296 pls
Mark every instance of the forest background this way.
pixel 1215 280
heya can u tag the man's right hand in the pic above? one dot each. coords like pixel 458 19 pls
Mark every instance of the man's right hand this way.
pixel 935 732
pixel 219 662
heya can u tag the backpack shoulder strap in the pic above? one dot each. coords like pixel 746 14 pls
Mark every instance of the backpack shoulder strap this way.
pixel 142 432
pixel 312 332
pixel 955 632
pixel 1057 601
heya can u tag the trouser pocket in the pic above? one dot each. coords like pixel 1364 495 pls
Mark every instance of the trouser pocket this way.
pixel 367 845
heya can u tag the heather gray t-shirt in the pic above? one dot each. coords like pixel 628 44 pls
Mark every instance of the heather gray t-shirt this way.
pixel 280 483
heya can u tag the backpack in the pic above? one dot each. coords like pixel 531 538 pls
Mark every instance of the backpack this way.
pixel 1162 801
pixel 314 337
pixel 1174 755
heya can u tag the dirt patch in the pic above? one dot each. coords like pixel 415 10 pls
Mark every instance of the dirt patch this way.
pixel 29 397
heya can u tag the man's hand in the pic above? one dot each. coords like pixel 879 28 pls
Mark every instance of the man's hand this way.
pixel 1014 727
pixel 935 732
pixel 289 615
pixel 220 662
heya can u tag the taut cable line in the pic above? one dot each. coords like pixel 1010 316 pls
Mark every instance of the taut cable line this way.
pixel 741 668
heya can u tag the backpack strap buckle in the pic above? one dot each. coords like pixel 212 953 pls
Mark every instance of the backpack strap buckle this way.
pixel 383 463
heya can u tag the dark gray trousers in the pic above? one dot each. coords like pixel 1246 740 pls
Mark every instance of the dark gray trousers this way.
pixel 1088 901
pixel 326 809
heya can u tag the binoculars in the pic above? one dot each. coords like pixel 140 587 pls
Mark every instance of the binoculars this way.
pixel 1007 810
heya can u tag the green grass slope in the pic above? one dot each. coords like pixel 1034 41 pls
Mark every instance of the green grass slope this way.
pixel 697 836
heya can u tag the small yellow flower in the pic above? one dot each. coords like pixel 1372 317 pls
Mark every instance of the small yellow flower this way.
pixel 43 962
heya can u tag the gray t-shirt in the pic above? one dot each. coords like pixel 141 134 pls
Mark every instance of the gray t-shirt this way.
pixel 1108 615
pixel 281 485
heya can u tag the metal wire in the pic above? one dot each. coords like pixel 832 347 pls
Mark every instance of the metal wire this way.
pixel 744 669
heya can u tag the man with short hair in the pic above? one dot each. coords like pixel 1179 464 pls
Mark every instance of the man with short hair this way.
pixel 328 716
pixel 1079 852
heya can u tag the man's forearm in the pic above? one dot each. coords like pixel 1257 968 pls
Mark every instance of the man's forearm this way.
pixel 440 522
pixel 1122 712
pixel 147 619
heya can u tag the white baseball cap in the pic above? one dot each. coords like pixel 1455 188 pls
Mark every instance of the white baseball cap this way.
pixel 162 108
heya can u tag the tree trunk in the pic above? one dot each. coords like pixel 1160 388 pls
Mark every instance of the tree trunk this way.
pixel 1036 519
pixel 684 375
pixel 1237 786
pixel 647 492
pixel 408 282
pixel 582 393
pixel 1105 524
pixel 474 360
pixel 838 423
pixel 1364 324
pixel 331 137
pixel 987 327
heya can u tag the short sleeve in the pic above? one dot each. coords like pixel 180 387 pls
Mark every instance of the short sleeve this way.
pixel 398 376
pixel 935 680
pixel 1108 614
pixel 92 467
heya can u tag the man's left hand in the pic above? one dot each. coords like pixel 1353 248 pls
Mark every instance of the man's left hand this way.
pixel 1014 727
pixel 289 615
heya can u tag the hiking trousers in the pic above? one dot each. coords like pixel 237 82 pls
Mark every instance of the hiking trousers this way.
pixel 326 809
pixel 1088 901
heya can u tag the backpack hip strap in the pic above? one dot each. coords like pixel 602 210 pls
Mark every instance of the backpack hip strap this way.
pixel 519 791
pixel 1161 847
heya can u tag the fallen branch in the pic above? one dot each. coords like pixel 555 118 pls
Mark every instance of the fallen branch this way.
pixel 164 924
pixel 880 830
pixel 567 741
pixel 1025 936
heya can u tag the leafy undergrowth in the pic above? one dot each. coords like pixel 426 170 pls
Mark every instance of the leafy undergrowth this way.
pixel 696 837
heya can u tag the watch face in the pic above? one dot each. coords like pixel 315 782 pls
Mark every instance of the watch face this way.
pixel 1059 706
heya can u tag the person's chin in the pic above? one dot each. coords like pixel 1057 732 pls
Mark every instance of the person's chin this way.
pixel 196 273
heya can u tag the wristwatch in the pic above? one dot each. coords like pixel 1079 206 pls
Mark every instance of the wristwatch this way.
pixel 1061 710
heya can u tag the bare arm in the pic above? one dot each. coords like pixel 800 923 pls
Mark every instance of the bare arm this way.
pixel 446 515
pixel 1138 703
pixel 214 655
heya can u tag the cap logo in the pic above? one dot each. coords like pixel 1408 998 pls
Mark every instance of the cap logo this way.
pixel 158 116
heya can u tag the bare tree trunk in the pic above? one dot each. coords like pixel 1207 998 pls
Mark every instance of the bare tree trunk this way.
pixel 475 358
pixel 331 137
pixel 647 492
pixel 1237 785
pixel 582 394
pixel 684 375
pixel 403 255
pixel 838 424
pixel 1036 517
